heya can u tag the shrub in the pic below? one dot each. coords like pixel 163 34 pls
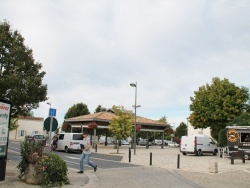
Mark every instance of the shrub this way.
pixel 53 169
pixel 47 165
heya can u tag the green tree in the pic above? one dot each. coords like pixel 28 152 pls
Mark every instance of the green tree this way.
pixel 20 76
pixel 163 119
pixel 121 126
pixel 78 109
pixel 242 120
pixel 99 108
pixel 217 104
pixel 181 130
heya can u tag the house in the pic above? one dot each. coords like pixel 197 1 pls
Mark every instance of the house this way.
pixel 192 131
pixel 27 126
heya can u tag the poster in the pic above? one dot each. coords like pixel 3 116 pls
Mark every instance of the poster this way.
pixel 4 126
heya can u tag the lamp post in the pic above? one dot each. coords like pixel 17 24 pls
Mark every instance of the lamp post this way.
pixel 135 106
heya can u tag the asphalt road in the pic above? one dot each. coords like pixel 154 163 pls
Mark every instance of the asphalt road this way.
pixel 72 159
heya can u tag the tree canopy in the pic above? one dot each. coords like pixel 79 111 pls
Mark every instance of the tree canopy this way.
pixel 181 130
pixel 20 76
pixel 99 108
pixel 121 126
pixel 78 109
pixel 217 104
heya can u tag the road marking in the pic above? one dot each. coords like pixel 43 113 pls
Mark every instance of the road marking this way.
pixel 248 171
pixel 95 158
pixel 14 148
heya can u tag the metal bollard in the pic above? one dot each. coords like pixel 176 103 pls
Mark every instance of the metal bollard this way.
pixel 129 155
pixel 178 161
pixel 95 147
pixel 150 159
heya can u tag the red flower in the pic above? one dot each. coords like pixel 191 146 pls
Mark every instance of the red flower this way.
pixel 92 125
pixel 138 127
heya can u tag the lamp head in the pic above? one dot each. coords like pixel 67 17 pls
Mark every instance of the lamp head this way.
pixel 133 85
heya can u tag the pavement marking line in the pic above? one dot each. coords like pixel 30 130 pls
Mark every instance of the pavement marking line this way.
pixel 9 150
pixel 248 171
pixel 96 158
pixel 14 148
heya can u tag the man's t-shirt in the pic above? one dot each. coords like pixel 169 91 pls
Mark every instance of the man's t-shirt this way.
pixel 86 142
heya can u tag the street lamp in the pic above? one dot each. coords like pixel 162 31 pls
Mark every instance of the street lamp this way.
pixel 135 106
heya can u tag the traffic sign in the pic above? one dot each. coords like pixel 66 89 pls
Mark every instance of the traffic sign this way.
pixel 46 124
pixel 52 112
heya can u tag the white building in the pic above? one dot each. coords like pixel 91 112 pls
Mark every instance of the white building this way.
pixel 192 131
pixel 27 126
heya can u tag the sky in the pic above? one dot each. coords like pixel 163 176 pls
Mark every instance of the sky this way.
pixel 92 50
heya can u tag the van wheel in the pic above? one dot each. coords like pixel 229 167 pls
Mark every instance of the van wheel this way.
pixel 184 153
pixel 247 157
pixel 199 152
pixel 66 149
pixel 215 152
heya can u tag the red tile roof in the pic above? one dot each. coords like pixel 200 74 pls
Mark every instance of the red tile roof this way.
pixel 107 117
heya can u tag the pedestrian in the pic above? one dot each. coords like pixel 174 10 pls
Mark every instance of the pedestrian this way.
pixel 54 144
pixel 86 151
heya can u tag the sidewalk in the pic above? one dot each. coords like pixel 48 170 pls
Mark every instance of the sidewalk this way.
pixel 190 167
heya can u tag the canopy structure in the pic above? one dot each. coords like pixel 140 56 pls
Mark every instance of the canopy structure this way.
pixel 102 119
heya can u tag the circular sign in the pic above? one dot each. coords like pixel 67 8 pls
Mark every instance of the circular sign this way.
pixel 232 135
pixel 46 124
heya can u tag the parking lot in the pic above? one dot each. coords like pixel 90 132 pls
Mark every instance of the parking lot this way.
pixel 167 158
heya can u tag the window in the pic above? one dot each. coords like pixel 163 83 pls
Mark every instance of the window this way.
pixel 21 133
pixel 61 136
pixel 77 137
pixel 245 137
pixel 35 132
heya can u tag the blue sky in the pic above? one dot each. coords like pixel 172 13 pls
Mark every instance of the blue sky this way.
pixel 92 50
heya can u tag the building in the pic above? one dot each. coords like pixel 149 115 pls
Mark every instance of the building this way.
pixel 27 126
pixel 192 131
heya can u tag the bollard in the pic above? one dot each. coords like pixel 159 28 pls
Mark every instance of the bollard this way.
pixel 213 167
pixel 95 147
pixel 150 159
pixel 129 155
pixel 178 161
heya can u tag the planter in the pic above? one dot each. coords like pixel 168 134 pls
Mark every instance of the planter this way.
pixel 31 176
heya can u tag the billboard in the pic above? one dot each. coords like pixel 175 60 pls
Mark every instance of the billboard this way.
pixel 5 110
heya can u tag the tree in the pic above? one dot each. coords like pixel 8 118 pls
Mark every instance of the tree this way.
pixel 77 110
pixel 181 130
pixel 20 76
pixel 99 108
pixel 121 126
pixel 217 104
pixel 242 120
pixel 163 119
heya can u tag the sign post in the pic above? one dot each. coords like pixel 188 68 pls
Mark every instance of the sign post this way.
pixel 5 113
pixel 52 112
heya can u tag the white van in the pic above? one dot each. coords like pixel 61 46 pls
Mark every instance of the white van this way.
pixel 198 144
pixel 69 142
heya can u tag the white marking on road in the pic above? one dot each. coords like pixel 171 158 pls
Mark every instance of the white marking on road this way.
pixel 95 158
pixel 248 171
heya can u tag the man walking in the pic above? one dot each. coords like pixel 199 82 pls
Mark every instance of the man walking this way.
pixel 86 151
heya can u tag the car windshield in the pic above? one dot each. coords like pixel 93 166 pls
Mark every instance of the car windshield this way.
pixel 39 136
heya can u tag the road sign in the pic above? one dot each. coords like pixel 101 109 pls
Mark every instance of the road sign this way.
pixel 46 124
pixel 52 112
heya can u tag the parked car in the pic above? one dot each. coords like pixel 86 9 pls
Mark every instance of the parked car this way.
pixel 143 142
pixel 38 138
pixel 69 142
pixel 173 144
pixel 157 142
pixel 124 142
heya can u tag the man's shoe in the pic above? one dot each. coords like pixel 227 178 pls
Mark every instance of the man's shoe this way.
pixel 80 172
pixel 95 168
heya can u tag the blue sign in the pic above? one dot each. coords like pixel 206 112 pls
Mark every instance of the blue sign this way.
pixel 52 112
